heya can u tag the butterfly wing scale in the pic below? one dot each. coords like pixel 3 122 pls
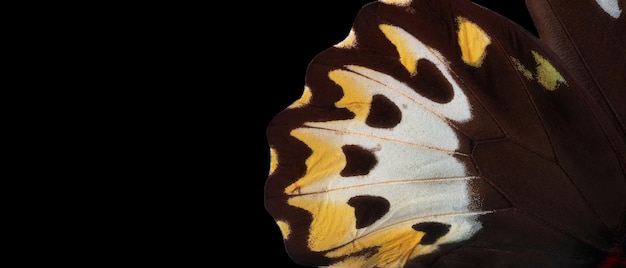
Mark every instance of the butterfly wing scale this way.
pixel 438 133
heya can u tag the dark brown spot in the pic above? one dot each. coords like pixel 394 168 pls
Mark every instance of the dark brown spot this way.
pixel 432 231
pixel 368 209
pixel 430 83
pixel 359 161
pixel 383 113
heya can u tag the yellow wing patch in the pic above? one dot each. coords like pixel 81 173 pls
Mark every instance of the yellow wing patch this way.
pixel 473 41
pixel 284 228
pixel 546 75
pixel 408 58
pixel 332 223
pixel 353 98
pixel 273 160
pixel 331 220
pixel 396 247
pixel 522 69
pixel 303 100
pixel 326 160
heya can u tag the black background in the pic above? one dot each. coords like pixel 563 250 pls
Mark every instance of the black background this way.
pixel 294 36
pixel 162 131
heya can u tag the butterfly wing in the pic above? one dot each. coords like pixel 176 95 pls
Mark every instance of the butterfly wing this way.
pixel 438 133
pixel 590 37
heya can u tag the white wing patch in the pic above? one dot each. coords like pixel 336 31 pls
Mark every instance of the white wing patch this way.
pixel 397 2
pixel 411 48
pixel 611 7
pixel 416 179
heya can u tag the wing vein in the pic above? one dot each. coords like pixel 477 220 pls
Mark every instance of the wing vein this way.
pixel 391 182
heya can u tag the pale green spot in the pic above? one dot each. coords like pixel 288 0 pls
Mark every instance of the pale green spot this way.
pixel 547 75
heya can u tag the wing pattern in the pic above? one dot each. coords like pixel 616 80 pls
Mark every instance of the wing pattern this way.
pixel 440 134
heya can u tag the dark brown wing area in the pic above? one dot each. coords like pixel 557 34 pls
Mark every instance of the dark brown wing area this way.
pixel 560 168
pixel 590 37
